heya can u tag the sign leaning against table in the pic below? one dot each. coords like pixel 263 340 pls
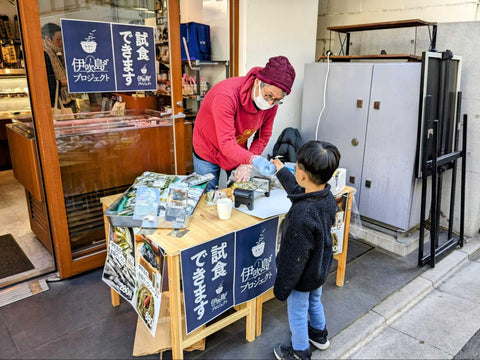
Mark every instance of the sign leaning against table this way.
pixel 134 268
pixel 207 278
pixel 227 271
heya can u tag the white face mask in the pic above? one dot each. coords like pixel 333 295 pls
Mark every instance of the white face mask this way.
pixel 261 103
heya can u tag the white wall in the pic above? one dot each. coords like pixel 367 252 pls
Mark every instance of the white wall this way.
pixel 282 27
pixel 215 14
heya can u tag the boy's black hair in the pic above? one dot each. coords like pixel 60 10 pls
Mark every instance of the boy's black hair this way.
pixel 50 29
pixel 319 159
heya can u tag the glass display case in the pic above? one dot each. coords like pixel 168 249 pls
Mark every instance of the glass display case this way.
pixel 101 154
pixel 14 102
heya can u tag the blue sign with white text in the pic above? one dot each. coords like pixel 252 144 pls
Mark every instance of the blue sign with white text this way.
pixel 88 56
pixel 255 268
pixel 207 278
pixel 134 57
pixel 107 57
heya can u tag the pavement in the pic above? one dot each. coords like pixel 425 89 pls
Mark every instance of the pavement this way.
pixel 388 308
pixel 434 316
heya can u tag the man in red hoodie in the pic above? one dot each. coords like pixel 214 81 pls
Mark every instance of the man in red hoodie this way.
pixel 234 110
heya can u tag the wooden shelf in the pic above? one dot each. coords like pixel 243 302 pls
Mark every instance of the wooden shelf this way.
pixel 381 25
pixel 12 71
pixel 346 58
pixel 347 29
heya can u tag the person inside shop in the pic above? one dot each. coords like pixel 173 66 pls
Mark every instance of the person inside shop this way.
pixel 55 64
pixel 305 255
pixel 234 110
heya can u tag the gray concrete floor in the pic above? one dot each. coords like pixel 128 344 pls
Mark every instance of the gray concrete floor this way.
pixel 75 319
pixel 442 325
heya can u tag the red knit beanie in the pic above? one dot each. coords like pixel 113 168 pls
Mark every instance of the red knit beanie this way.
pixel 278 72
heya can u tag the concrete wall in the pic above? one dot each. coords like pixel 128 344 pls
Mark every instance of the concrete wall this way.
pixel 282 27
pixel 349 12
pixel 458 29
pixel 459 38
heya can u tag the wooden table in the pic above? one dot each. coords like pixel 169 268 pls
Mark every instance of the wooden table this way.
pixel 204 226
pixel 341 261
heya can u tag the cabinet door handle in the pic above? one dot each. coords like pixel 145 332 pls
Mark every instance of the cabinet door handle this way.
pixel 355 142
pixel 359 103
pixel 376 105
pixel 368 183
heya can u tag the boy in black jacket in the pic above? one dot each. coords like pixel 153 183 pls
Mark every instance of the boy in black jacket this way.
pixel 305 255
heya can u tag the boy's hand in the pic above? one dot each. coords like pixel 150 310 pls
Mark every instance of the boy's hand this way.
pixel 278 164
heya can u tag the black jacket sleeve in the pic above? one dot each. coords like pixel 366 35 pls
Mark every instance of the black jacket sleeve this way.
pixel 52 81
pixel 287 179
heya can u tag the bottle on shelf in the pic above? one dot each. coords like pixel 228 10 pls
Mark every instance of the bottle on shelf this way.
pixel 8 27
pixel 203 86
pixel 3 33
pixel 9 54
pixel 17 27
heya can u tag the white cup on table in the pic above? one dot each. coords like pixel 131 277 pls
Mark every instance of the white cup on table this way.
pixel 224 208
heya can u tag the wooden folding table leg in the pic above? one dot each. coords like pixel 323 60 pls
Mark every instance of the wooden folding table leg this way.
pixel 250 320
pixel 175 305
pixel 258 315
pixel 115 297
pixel 342 257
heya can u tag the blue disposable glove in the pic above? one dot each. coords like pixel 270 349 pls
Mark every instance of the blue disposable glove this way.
pixel 264 166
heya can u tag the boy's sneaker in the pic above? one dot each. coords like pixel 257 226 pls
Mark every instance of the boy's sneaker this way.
pixel 284 352
pixel 318 338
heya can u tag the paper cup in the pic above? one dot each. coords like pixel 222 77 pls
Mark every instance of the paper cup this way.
pixel 224 208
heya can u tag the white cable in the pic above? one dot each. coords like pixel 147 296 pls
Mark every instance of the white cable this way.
pixel 324 95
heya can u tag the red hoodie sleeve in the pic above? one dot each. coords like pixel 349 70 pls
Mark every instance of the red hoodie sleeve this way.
pixel 224 112
pixel 264 134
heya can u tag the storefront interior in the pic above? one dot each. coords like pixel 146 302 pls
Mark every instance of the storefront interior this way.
pixel 57 174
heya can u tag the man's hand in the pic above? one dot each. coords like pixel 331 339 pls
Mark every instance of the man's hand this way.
pixel 264 166
pixel 243 173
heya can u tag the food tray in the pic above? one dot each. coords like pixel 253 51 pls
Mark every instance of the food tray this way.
pixel 129 221
pixel 148 179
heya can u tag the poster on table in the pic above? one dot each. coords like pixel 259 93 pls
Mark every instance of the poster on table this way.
pixel 119 269
pixel 108 57
pixel 134 268
pixel 150 259
pixel 255 268
pixel 338 228
pixel 207 278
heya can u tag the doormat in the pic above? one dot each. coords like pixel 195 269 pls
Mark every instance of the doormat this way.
pixel 12 258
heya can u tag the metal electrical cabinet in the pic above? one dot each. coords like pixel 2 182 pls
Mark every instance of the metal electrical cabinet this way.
pixel 371 115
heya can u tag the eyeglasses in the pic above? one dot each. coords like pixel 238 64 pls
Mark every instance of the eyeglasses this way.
pixel 269 97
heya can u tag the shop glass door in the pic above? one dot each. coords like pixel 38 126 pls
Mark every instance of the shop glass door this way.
pixel 25 245
pixel 99 141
